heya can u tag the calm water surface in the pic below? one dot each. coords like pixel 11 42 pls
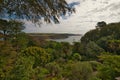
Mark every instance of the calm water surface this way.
pixel 70 39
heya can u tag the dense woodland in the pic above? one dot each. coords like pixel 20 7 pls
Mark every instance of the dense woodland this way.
pixel 95 57
pixel 22 57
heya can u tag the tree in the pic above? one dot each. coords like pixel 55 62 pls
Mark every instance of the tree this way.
pixel 103 42
pixel 55 71
pixel 8 58
pixel 4 27
pixel 110 68
pixel 35 10
pixel 92 35
pixel 76 57
pixel 23 69
pixel 114 46
pixel 10 28
pixel 101 24
pixel 20 42
pixel 40 55
pixel 93 50
pixel 78 71
pixel 15 27
pixel 78 48
pixel 66 49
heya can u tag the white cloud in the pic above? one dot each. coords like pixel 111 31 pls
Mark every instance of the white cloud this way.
pixel 88 13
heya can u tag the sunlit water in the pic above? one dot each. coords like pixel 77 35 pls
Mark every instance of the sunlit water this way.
pixel 70 39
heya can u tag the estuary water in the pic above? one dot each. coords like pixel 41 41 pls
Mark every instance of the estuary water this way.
pixel 70 39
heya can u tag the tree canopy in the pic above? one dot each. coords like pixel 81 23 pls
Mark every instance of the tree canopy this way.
pixel 96 57
pixel 101 24
pixel 34 10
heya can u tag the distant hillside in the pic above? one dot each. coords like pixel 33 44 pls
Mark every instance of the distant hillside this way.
pixel 43 36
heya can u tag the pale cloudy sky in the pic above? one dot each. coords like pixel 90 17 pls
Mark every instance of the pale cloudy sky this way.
pixel 88 13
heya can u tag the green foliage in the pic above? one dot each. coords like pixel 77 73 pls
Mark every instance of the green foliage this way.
pixel 103 42
pixel 78 71
pixel 34 10
pixel 8 57
pixel 92 35
pixel 78 48
pixel 15 27
pixel 3 25
pixel 110 67
pixel 95 65
pixel 66 49
pixel 40 55
pixel 106 73
pixel 4 28
pixel 23 70
pixel 112 29
pixel 95 58
pixel 20 42
pixel 54 70
pixel 76 57
pixel 101 24
pixel 113 46
pixel 10 28
pixel 40 73
pixel 59 50
pixel 93 50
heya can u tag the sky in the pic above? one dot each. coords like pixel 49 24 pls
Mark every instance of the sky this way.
pixel 88 13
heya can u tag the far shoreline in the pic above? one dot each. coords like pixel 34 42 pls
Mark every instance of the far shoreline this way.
pixel 52 35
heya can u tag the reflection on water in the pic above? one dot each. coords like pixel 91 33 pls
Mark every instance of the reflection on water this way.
pixel 70 39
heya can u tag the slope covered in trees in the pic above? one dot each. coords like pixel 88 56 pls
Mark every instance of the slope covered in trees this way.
pixel 96 57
